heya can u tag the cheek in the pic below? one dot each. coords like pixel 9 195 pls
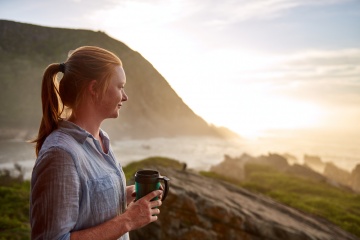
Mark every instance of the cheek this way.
pixel 112 96
pixel 107 101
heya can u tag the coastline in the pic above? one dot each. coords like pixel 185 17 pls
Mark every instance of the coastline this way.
pixel 199 153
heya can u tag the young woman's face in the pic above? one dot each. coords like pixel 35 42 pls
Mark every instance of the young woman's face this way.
pixel 115 95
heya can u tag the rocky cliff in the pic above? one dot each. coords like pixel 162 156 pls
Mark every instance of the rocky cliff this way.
pixel 201 208
pixel 234 168
pixel 339 175
pixel 314 162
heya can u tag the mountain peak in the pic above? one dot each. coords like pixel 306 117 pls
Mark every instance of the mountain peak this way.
pixel 154 108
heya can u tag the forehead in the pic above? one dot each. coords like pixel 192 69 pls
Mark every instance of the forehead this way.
pixel 119 75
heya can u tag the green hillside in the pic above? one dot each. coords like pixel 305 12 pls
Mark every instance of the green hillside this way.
pixel 153 109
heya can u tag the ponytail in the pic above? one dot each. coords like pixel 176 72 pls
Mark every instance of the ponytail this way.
pixel 52 107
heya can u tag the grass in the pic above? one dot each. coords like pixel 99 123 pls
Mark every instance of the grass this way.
pixel 14 207
pixel 339 206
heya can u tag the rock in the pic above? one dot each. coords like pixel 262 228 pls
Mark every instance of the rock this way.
pixel 314 162
pixel 335 173
pixel 291 159
pixel 355 178
pixel 232 167
pixel 203 208
pixel 274 160
pixel 306 172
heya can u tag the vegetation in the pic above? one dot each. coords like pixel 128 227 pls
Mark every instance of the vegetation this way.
pixel 318 198
pixel 14 206
pixel 339 206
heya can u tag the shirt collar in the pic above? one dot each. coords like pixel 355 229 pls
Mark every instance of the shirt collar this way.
pixel 78 133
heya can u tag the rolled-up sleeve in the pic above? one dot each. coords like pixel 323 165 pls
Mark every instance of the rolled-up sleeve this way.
pixel 55 194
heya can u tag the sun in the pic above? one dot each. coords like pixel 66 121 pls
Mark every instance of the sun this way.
pixel 251 113
pixel 274 113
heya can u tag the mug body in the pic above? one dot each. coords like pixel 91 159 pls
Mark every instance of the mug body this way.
pixel 146 181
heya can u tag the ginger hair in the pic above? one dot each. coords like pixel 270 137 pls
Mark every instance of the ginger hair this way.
pixel 83 65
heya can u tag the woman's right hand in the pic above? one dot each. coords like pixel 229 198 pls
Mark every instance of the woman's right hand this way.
pixel 143 211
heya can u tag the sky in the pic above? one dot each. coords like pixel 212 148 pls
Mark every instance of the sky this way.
pixel 252 66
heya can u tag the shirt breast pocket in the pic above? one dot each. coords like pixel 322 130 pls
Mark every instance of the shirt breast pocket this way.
pixel 102 196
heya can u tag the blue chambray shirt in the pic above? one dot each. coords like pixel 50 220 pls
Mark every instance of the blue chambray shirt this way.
pixel 74 184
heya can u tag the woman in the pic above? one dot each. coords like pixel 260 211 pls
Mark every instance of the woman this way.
pixel 78 189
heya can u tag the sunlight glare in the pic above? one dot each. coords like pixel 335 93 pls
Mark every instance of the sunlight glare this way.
pixel 225 86
pixel 254 112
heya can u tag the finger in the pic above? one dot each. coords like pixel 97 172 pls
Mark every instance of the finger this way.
pixel 157 203
pixel 161 187
pixel 153 218
pixel 133 194
pixel 152 195
pixel 155 211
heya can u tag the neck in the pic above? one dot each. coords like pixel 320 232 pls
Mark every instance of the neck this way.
pixel 87 121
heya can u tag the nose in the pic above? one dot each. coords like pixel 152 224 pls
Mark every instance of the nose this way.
pixel 124 97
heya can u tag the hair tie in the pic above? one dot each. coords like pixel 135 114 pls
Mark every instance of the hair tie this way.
pixel 62 67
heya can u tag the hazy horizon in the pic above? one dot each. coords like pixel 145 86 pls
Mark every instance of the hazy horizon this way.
pixel 200 153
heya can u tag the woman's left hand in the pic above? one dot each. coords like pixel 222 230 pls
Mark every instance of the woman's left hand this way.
pixel 131 194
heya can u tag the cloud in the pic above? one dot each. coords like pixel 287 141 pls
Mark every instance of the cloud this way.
pixel 230 11
pixel 331 65
pixel 210 12
pixel 331 78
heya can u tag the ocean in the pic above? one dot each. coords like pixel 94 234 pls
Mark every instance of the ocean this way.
pixel 200 153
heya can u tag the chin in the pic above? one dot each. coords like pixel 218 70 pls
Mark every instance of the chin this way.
pixel 113 115
pixel 116 115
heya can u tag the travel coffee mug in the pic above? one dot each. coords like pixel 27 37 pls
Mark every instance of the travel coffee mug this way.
pixel 147 181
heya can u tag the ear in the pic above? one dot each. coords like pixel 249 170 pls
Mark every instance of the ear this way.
pixel 92 88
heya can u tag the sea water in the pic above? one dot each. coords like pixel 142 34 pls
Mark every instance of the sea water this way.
pixel 200 153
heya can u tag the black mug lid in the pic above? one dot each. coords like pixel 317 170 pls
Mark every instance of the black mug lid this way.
pixel 147 176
